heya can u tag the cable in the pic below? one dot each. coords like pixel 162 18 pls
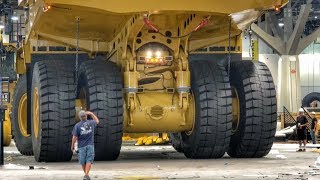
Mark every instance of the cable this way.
pixel 203 23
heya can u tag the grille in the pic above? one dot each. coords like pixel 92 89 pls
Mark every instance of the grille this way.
pixel 156 111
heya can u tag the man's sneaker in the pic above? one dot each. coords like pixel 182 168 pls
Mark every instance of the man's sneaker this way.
pixel 299 150
pixel 303 150
pixel 86 177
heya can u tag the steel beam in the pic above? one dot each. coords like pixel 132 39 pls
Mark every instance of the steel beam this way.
pixel 273 22
pixel 273 42
pixel 293 42
pixel 288 23
pixel 306 41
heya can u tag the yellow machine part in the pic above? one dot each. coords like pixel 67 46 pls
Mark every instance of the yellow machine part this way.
pixel 146 139
pixel 168 14
pixel 159 112
pixel 7 136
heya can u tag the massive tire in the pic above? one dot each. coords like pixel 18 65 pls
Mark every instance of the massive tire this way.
pixel 100 88
pixel 52 110
pixel 211 133
pixel 254 135
pixel 18 118
pixel 308 99
pixel 176 142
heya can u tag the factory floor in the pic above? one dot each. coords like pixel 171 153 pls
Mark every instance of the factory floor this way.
pixel 163 162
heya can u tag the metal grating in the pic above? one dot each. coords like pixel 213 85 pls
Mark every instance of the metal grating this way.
pixel 288 118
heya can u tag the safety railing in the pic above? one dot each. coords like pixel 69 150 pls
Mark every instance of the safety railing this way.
pixel 309 118
pixel 288 118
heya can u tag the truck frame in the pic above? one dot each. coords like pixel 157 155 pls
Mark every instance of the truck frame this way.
pixel 129 63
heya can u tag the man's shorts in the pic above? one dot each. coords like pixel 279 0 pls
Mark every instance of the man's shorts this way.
pixel 301 134
pixel 86 154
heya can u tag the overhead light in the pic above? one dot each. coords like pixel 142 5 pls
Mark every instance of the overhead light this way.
pixel 14 18
pixel 158 54
pixel 281 24
pixel 149 54
pixel 316 17
pixel 1 26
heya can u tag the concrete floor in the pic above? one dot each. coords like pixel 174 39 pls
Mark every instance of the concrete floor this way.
pixel 163 162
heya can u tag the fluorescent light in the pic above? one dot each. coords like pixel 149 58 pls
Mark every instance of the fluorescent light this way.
pixel 1 26
pixel 281 24
pixel 14 18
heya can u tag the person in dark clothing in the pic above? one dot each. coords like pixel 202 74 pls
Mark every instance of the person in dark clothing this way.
pixel 313 127
pixel 301 125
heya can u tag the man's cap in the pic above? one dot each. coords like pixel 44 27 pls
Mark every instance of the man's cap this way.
pixel 82 113
pixel 313 112
pixel 301 110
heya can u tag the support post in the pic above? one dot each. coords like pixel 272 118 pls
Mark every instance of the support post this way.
pixel 288 89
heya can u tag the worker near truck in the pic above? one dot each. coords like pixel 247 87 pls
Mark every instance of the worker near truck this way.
pixel 314 122
pixel 83 132
pixel 301 125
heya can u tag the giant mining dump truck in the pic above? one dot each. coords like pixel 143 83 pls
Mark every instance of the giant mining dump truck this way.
pixel 129 62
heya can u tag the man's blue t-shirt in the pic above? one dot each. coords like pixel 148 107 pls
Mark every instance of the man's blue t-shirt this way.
pixel 84 130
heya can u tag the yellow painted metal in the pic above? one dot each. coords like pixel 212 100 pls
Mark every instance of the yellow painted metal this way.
pixel 235 41
pixel 131 79
pixel 146 138
pixel 81 103
pixel 182 79
pixel 158 6
pixel 159 112
pixel 22 115
pixel 7 129
pixel 36 112
pixel 235 110
pixel 255 49
pixel 7 134
pixel 161 138
pixel 126 17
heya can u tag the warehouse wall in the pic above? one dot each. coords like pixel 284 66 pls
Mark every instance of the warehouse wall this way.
pixel 309 64
pixel 309 73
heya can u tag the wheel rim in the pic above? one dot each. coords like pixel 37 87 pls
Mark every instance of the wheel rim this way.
pixel 235 110
pixel 191 113
pixel 81 103
pixel 83 99
pixel 22 115
pixel 36 112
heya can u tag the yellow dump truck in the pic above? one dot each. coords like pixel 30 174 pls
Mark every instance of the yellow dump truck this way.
pixel 128 62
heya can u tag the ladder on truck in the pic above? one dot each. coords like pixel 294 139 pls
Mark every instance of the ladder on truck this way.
pixel 4 100
pixel 4 90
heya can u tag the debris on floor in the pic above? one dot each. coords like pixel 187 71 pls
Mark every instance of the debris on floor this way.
pixel 280 156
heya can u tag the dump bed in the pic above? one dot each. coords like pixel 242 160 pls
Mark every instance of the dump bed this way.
pixel 102 20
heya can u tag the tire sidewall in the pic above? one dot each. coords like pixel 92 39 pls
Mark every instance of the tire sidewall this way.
pixel 36 140
pixel 23 143
pixel 236 82
pixel 309 98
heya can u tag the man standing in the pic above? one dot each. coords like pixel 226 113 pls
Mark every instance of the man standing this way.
pixel 313 127
pixel 301 125
pixel 83 132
